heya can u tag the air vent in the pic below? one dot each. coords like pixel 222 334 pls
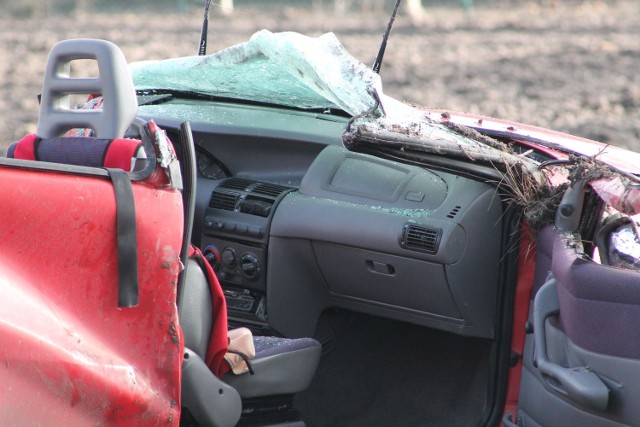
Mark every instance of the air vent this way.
pixel 236 183
pixel 420 238
pixel 247 196
pixel 454 212
pixel 273 190
pixel 223 200
pixel 258 206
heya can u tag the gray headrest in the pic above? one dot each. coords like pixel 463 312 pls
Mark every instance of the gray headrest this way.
pixel 114 82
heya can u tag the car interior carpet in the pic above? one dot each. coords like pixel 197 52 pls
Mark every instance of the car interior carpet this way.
pixel 382 372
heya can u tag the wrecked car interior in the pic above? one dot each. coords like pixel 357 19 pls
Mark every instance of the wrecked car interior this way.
pixel 419 267
pixel 310 239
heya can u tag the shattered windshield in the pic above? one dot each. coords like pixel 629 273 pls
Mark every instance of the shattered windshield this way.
pixel 294 70
pixel 287 69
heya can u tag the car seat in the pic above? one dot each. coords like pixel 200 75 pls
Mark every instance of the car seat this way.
pixel 281 367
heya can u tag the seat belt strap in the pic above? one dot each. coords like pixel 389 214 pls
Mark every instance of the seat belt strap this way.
pixel 126 238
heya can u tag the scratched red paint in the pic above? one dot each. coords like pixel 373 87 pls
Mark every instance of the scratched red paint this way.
pixel 68 355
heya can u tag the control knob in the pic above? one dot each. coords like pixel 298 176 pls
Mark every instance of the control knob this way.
pixel 250 266
pixel 212 255
pixel 229 257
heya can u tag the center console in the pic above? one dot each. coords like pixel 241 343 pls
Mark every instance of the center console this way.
pixel 235 233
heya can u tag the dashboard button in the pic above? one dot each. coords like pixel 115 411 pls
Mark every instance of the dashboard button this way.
pixel 415 196
pixel 254 230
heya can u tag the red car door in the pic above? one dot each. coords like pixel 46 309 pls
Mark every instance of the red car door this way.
pixel 70 355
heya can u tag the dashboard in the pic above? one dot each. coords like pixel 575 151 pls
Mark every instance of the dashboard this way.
pixel 295 224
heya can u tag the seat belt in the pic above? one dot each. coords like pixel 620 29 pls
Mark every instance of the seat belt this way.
pixel 126 238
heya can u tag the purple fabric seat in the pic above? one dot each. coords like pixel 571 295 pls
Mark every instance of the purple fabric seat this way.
pixel 599 304
pixel 544 255
pixel 281 366
pixel 271 346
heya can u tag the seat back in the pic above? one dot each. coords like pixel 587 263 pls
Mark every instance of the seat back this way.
pixel 203 313
pixel 195 308
pixel 114 116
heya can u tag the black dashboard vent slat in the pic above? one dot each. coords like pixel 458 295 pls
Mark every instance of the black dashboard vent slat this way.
pixel 223 200
pixel 419 238
pixel 236 183
pixel 273 190
pixel 247 196
pixel 453 212
pixel 258 206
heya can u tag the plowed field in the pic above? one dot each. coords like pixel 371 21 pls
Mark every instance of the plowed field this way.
pixel 571 66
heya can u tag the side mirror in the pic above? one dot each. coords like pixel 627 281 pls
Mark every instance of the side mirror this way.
pixel 618 243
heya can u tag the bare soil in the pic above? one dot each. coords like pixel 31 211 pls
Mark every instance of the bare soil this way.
pixel 572 66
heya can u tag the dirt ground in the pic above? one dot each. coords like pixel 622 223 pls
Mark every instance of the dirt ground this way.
pixel 572 66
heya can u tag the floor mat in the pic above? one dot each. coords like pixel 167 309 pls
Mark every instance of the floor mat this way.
pixel 386 373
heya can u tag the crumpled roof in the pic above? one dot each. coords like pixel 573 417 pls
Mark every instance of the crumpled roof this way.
pixel 620 193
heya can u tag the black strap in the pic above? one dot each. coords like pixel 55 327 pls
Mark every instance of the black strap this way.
pixel 126 239
pixel 245 358
pixel 189 178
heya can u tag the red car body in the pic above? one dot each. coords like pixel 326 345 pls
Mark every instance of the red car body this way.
pixel 70 356
pixel 552 143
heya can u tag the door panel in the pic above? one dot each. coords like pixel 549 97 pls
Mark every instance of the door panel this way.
pixel 70 355
pixel 592 333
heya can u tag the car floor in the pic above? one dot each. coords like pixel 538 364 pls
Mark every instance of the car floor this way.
pixel 379 372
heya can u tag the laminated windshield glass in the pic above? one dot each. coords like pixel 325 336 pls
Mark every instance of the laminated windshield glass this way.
pixel 287 69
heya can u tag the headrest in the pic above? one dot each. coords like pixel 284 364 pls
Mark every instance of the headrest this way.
pixel 114 83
